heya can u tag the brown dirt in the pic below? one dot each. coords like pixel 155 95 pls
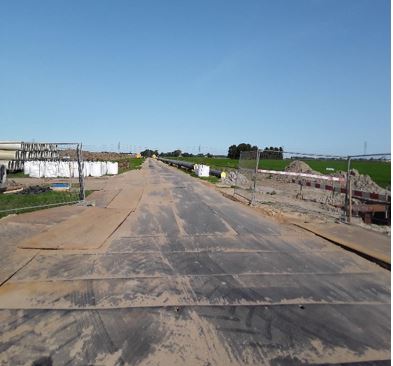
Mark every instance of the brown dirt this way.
pixel 298 166
pixel 283 200
pixel 96 156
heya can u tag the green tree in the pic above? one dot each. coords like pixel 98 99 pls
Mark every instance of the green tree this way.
pixel 232 152
pixel 148 153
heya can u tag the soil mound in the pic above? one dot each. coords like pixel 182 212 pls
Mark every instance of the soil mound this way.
pixel 298 166
pixel 362 182
pixel 95 156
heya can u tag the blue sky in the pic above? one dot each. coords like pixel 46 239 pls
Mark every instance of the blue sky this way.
pixel 312 76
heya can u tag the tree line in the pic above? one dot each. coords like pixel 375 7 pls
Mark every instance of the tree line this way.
pixel 272 153
pixel 173 154
pixel 149 153
pixel 233 152
pixel 268 153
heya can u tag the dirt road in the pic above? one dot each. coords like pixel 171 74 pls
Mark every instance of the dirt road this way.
pixel 187 277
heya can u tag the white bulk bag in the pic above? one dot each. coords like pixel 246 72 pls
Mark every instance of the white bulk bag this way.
pixel 37 169
pixel 26 167
pixel 203 171
pixel 41 165
pixel 103 167
pixel 86 168
pixel 112 168
pixel 51 169
pixel 64 169
pixel 75 169
pixel 34 169
pixel 95 169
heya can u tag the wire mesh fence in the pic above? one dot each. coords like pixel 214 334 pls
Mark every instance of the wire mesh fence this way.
pixel 368 188
pixel 39 175
pixel 340 186
pixel 245 179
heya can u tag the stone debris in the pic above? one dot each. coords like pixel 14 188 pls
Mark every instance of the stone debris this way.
pixel 235 178
pixel 34 190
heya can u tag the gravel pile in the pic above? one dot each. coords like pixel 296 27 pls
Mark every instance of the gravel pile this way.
pixel 234 178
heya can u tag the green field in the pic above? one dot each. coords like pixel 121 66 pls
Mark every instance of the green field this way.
pixel 377 170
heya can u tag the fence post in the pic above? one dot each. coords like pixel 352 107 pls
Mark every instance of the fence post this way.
pixel 81 173
pixel 347 187
pixel 255 178
pixel 350 201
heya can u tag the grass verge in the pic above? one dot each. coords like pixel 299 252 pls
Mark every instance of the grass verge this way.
pixel 18 202
pixel 211 178
pixel 129 164
pixel 17 175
